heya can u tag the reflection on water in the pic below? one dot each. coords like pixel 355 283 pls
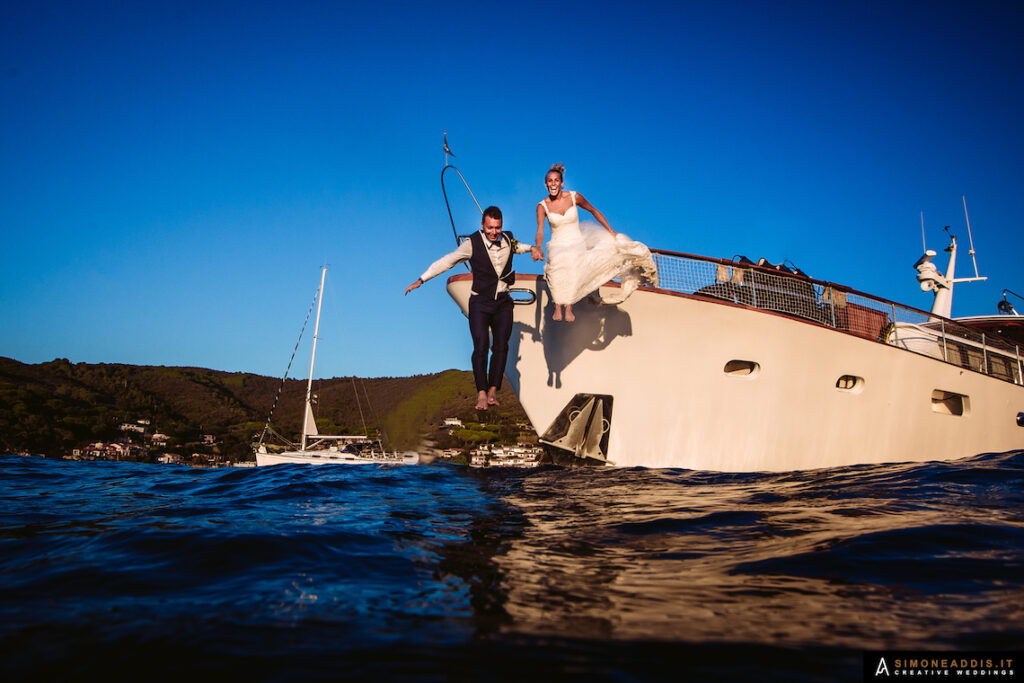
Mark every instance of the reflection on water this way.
pixel 870 557
pixel 295 572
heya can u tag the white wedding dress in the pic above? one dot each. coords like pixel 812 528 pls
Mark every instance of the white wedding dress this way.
pixel 581 258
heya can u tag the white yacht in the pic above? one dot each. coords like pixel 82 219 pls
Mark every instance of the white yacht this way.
pixel 323 449
pixel 355 452
pixel 730 365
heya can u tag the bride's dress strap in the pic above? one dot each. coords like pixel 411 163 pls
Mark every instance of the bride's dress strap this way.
pixel 573 195
pixel 543 203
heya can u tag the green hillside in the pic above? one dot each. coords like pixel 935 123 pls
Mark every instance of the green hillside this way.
pixel 52 408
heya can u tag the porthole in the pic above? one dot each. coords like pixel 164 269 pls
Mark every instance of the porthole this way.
pixel 950 402
pixel 742 368
pixel 850 383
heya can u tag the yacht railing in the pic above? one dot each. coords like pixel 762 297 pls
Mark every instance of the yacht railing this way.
pixel 840 308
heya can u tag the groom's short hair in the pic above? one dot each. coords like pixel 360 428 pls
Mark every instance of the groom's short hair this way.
pixel 491 212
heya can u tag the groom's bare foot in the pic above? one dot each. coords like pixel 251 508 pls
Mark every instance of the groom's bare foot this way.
pixel 569 317
pixel 481 400
pixel 492 396
pixel 558 313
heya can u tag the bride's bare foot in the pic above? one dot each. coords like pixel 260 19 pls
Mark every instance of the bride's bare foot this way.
pixel 569 317
pixel 558 313
pixel 481 400
pixel 492 396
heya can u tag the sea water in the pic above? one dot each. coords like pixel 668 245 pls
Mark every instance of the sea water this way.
pixel 126 571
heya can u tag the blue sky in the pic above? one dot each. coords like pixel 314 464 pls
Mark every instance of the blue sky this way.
pixel 173 176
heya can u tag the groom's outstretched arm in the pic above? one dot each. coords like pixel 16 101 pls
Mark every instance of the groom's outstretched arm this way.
pixel 442 264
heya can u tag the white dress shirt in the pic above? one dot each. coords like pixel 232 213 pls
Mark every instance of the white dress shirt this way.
pixel 499 255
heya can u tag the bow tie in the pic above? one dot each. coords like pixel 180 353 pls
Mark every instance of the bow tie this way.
pixel 496 245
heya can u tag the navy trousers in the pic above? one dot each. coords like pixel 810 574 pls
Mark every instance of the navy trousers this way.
pixel 490 318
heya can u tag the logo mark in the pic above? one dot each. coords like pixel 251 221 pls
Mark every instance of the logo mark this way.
pixel 882 667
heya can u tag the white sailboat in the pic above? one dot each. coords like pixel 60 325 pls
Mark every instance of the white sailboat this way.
pixel 734 366
pixel 324 449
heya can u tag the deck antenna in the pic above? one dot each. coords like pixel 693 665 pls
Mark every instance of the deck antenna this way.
pixel 448 152
pixel 924 246
pixel 937 283
pixel 970 238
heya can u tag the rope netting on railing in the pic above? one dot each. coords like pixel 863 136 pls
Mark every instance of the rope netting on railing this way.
pixel 840 308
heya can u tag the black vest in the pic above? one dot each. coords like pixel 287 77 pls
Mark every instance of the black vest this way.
pixel 485 280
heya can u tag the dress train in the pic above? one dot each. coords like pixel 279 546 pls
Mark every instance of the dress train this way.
pixel 581 258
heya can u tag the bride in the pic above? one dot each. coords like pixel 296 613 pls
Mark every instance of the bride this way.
pixel 582 258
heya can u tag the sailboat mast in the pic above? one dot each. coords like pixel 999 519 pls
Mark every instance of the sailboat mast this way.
pixel 312 359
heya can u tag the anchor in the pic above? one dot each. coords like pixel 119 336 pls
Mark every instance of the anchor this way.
pixel 581 429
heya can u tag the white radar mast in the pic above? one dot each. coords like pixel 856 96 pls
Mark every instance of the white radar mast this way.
pixel 937 283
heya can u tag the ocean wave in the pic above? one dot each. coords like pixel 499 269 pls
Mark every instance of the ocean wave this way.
pixel 412 571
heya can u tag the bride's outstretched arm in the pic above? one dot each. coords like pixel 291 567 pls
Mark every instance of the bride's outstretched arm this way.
pixel 583 203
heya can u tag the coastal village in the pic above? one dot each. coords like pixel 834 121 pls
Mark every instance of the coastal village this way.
pixel 519 448
pixel 140 441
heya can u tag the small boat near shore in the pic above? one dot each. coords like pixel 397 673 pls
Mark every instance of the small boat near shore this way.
pixel 731 365
pixel 353 453
pixel 322 449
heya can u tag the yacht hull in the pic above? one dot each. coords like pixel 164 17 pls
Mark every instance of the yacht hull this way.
pixel 696 383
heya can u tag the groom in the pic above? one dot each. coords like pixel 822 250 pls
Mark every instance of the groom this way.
pixel 489 252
